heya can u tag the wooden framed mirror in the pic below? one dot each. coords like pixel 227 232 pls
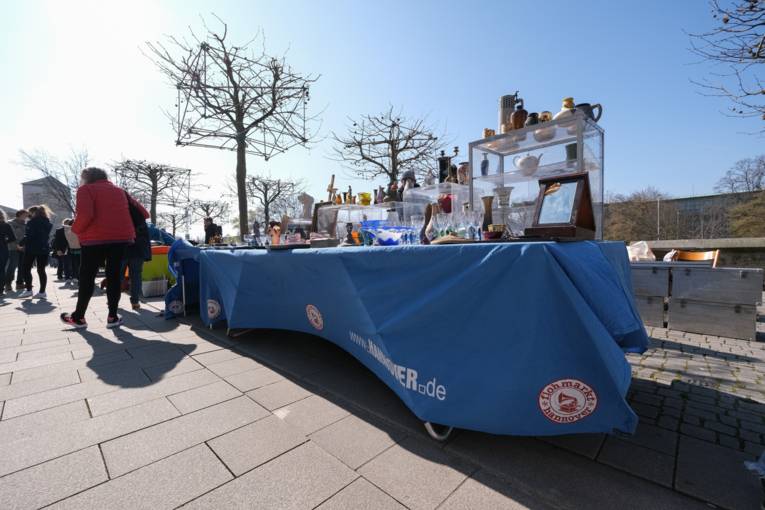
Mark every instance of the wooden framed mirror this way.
pixel 563 208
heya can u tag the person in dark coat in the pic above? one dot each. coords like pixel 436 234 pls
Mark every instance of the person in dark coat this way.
pixel 135 255
pixel 13 272
pixel 211 230
pixel 7 237
pixel 61 252
pixel 36 249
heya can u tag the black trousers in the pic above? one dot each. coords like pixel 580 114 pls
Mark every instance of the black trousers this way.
pixel 26 270
pixel 91 258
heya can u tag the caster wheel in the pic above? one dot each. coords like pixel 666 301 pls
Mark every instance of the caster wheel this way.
pixel 438 432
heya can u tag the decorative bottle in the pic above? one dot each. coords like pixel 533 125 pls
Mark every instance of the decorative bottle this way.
pixel 485 165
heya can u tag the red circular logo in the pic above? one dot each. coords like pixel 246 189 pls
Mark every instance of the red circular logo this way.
pixel 567 401
pixel 314 317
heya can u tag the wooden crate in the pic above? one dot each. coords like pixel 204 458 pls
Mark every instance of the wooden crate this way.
pixel 718 285
pixel 651 309
pixel 721 319
pixel 650 280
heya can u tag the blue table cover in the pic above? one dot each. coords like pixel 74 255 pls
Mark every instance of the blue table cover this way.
pixel 512 338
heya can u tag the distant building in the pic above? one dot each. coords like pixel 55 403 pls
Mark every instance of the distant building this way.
pixel 51 192
pixel 699 217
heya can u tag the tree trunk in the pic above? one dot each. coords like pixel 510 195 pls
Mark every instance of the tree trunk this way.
pixel 267 213
pixel 153 203
pixel 241 187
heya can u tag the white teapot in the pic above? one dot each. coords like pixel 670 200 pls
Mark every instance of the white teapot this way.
pixel 527 164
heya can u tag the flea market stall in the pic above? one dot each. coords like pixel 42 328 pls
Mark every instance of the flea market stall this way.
pixel 482 297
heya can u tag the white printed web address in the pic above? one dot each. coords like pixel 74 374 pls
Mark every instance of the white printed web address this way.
pixel 407 377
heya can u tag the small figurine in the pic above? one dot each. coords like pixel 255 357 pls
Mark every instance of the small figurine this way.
pixel 338 199
pixel 276 232
pixel 380 198
pixel 349 240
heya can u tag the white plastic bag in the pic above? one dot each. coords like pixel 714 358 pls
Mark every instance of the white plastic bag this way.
pixel 640 252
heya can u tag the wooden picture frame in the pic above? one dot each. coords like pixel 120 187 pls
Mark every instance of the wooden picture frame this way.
pixel 563 208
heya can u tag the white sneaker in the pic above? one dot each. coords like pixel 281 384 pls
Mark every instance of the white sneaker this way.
pixel 25 294
pixel 41 295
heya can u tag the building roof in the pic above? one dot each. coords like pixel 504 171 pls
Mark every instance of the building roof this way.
pixel 9 211
pixel 45 180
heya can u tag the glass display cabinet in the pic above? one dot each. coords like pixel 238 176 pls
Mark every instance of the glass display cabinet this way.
pixel 508 167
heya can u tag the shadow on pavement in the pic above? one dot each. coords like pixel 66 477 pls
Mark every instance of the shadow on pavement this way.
pixel 159 355
pixel 35 307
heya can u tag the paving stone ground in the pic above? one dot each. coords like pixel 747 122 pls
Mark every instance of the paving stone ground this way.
pixel 167 414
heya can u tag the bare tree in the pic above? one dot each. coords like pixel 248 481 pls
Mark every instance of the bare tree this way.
pixel 153 183
pixel 272 196
pixel 388 145
pixel 173 219
pixel 746 175
pixel 66 171
pixel 209 209
pixel 738 43
pixel 233 97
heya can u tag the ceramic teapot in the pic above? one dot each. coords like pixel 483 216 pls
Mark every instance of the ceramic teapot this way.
pixel 527 164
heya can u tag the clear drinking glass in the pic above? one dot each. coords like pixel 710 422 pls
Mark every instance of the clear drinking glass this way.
pixel 443 224
pixel 417 221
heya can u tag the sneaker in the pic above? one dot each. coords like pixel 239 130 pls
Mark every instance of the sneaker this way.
pixel 41 295
pixel 136 306
pixel 113 322
pixel 26 294
pixel 75 323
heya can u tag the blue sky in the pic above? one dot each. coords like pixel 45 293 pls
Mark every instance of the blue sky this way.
pixel 73 76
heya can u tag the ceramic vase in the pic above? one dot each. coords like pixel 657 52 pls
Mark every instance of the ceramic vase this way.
pixel 487 217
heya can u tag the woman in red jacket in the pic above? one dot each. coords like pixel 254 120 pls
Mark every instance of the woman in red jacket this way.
pixel 104 225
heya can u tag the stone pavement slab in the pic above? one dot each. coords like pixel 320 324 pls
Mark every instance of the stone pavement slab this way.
pixel 32 450
pixel 355 440
pixel 163 485
pixel 634 459
pixel 252 445
pixel 361 494
pixel 51 481
pixel 253 379
pixel 301 478
pixel 711 473
pixel 204 396
pixel 39 401
pixel 24 388
pixel 311 414
pixel 127 397
pixel 140 448
pixel 279 394
pixel 41 422
pixel 419 475
pixel 485 491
